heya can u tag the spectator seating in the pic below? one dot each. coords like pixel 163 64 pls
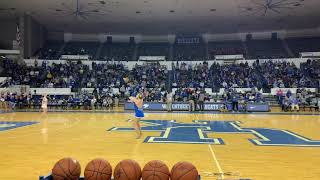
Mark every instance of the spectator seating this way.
pixel 81 48
pixel 50 50
pixel 298 45
pixel 225 48
pixel 264 75
pixel 265 49
pixel 153 49
pixel 117 51
pixel 125 51
pixel 189 52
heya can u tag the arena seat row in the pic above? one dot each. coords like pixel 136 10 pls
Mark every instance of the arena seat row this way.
pixel 298 45
pixel 154 49
pixel 81 48
pixel 117 51
pixel 225 48
pixel 265 49
pixel 126 51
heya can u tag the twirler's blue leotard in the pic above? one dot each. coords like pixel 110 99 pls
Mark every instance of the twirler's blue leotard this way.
pixel 138 111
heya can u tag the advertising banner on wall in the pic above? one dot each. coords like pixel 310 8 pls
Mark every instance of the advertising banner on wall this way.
pixel 154 106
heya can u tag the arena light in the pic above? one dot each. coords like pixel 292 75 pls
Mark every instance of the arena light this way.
pixel 81 11
pixel 266 7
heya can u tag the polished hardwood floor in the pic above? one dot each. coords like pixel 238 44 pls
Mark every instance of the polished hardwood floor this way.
pixel 32 149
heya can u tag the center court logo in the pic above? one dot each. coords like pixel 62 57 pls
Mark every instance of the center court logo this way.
pixel 197 133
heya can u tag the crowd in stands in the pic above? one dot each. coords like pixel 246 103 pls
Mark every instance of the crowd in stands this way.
pixel 44 76
pixel 267 75
pixel 188 76
pixel 263 75
pixel 155 81
pixel 301 99
pixel 78 75
pixel 285 74
pixel 86 101
pixel 50 50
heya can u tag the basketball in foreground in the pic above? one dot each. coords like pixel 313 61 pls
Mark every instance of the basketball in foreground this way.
pixel 184 171
pixel 155 170
pixel 98 169
pixel 127 170
pixel 66 169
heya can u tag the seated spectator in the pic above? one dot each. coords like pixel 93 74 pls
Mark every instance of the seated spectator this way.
pixel 109 102
pixel 294 103
pixel 285 104
pixel 223 108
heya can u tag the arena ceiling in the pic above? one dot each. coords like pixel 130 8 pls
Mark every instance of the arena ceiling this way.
pixel 166 16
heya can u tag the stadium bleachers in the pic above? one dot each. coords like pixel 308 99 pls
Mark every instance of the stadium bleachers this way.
pixel 265 49
pixel 189 52
pixel 251 49
pixel 298 45
pixel 117 51
pixel 157 80
pixel 264 75
pixel 50 50
pixel 81 48
pixel 154 49
pixel 225 48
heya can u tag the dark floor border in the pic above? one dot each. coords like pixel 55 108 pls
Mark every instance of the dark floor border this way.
pixel 174 112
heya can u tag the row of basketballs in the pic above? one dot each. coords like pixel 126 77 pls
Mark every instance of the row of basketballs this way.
pixel 100 169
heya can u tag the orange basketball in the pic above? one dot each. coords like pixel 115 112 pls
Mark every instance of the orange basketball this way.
pixel 155 170
pixel 66 169
pixel 184 171
pixel 127 170
pixel 98 169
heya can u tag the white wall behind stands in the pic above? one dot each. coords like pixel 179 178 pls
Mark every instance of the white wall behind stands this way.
pixel 2 79
pixel 168 64
pixel 54 91
pixel 296 61
pixel 67 91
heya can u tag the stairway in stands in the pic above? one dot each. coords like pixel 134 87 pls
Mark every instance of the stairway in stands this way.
pixel 60 51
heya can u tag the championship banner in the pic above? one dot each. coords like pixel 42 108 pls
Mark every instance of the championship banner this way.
pixel 188 40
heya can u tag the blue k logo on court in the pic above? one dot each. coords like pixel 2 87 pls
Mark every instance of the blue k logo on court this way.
pixel 6 125
pixel 197 133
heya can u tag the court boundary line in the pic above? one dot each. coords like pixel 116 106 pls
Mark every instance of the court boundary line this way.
pixel 175 112
pixel 216 161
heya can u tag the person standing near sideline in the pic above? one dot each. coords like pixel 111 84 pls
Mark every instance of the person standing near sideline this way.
pixel 201 100
pixel 44 104
pixel 3 103
pixel 169 101
pixel 191 102
pixel 235 101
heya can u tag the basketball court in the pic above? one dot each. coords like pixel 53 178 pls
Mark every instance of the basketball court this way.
pixel 221 146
